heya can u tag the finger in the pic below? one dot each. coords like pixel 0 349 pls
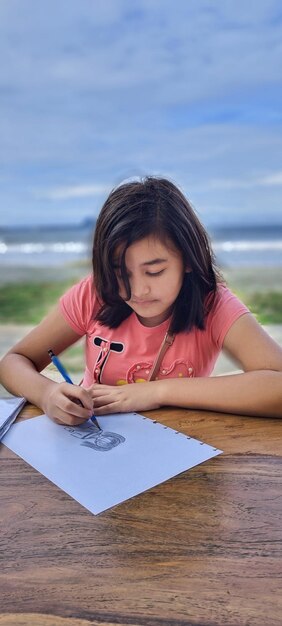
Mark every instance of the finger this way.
pixel 101 386
pixel 103 389
pixel 106 409
pixel 79 393
pixel 66 419
pixel 71 407
pixel 104 400
pixel 94 386
pixel 104 393
pixel 71 402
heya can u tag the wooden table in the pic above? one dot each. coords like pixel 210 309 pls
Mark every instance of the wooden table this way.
pixel 203 548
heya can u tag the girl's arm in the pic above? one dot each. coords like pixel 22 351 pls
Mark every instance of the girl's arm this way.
pixel 20 371
pixel 257 391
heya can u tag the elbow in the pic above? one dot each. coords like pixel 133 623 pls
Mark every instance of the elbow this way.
pixel 276 395
pixel 2 367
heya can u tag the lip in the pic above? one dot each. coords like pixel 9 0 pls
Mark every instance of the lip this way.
pixel 143 302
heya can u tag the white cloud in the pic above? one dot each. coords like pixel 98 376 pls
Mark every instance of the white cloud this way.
pixel 75 191
pixel 108 89
pixel 272 179
pixel 179 55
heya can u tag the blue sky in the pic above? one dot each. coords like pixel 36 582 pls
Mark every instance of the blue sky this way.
pixel 93 92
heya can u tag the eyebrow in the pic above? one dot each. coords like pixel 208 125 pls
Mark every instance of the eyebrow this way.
pixel 152 262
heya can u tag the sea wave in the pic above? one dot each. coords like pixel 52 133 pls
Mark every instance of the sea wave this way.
pixel 245 246
pixel 69 247
pixel 47 250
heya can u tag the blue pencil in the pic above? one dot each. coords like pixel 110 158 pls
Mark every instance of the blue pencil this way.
pixel 65 375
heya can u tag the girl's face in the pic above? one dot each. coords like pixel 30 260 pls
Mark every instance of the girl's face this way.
pixel 155 273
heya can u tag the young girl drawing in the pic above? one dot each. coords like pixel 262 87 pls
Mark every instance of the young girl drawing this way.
pixel 155 315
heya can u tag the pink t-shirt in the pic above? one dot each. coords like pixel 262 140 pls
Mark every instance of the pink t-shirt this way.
pixel 115 356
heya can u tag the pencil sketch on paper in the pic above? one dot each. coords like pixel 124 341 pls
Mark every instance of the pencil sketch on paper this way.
pixel 91 437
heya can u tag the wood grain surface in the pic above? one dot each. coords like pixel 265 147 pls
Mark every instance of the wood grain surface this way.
pixel 35 619
pixel 204 548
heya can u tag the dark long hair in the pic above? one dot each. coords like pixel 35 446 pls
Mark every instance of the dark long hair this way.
pixel 153 206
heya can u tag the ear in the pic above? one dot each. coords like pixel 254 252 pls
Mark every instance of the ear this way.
pixel 188 270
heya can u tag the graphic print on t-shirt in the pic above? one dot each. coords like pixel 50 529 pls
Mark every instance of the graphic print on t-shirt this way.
pixel 137 371
pixel 106 347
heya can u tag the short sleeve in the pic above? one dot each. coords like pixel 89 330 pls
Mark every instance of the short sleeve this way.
pixel 77 305
pixel 227 308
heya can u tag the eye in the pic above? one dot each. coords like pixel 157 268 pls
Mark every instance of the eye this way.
pixel 155 273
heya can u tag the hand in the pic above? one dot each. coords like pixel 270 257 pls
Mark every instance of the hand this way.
pixel 67 404
pixel 125 398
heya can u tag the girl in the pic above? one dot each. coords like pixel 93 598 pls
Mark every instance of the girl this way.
pixel 155 313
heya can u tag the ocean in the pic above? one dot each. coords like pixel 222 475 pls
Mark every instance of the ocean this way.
pixel 48 246
pixel 248 246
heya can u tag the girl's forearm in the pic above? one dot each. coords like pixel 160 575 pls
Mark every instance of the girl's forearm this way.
pixel 257 393
pixel 21 378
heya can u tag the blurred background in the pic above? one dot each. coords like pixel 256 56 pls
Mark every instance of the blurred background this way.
pixel 96 92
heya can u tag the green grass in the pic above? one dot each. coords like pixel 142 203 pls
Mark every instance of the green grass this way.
pixel 29 302
pixel 267 307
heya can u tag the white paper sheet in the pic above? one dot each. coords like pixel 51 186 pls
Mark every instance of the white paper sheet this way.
pixel 133 454
pixel 9 410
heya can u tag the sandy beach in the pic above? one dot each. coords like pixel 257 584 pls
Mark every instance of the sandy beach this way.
pixel 258 279
pixel 241 280
pixel 17 273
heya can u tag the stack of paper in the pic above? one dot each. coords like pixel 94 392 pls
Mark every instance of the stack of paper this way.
pixel 9 410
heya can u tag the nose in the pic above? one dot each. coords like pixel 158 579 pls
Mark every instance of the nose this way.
pixel 139 287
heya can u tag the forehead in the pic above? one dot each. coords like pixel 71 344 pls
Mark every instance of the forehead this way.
pixel 148 249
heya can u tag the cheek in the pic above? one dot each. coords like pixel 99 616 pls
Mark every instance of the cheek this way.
pixel 173 283
pixel 168 292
